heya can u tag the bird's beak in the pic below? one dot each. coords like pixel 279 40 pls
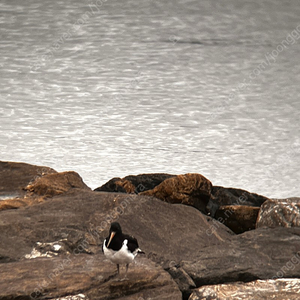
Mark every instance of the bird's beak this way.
pixel 111 237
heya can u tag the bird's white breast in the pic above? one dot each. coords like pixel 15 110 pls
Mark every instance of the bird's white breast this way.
pixel 122 256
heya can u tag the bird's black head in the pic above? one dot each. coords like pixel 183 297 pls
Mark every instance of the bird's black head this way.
pixel 115 230
pixel 115 227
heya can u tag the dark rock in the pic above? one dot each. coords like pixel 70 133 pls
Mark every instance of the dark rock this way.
pixel 283 212
pixel 238 218
pixel 89 275
pixel 189 189
pixel 278 289
pixel 134 183
pixel 183 280
pixel 229 196
pixel 263 253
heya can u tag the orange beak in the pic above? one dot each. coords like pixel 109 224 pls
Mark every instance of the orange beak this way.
pixel 111 237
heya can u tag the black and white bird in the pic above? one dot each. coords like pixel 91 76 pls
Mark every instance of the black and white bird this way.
pixel 120 248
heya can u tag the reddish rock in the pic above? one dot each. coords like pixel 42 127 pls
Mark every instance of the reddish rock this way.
pixel 14 177
pixel 190 189
pixel 283 212
pixel 56 184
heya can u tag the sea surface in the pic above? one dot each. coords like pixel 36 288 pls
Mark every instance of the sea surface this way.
pixel 112 88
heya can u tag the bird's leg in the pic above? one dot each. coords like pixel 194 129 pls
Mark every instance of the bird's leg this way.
pixel 118 267
pixel 126 270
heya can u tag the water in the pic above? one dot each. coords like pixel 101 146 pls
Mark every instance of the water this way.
pixel 116 88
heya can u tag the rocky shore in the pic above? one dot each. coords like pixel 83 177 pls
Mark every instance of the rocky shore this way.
pixel 200 241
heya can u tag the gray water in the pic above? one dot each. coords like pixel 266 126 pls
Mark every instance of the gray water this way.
pixel 112 88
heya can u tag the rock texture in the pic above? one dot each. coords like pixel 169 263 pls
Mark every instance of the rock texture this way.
pixel 238 218
pixel 284 212
pixel 231 196
pixel 190 189
pixel 90 275
pixel 56 184
pixel 23 184
pixel 279 289
pixel 263 253
pixel 86 215
pixel 53 248
pixel 134 183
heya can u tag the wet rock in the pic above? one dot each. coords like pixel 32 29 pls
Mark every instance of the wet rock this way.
pixel 190 189
pixel 134 183
pixel 56 184
pixel 263 253
pixel 238 218
pixel 91 275
pixel 283 212
pixel 278 289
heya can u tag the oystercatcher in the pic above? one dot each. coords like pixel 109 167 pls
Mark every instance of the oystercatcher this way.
pixel 120 248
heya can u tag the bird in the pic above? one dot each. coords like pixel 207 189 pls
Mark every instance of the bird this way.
pixel 120 248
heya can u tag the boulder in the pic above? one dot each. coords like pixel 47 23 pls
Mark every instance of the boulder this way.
pixel 279 289
pixel 190 189
pixel 230 196
pixel 24 184
pixel 56 184
pixel 284 212
pixel 238 218
pixel 167 233
pixel 134 183
pixel 264 253
pixel 14 177
pixel 90 275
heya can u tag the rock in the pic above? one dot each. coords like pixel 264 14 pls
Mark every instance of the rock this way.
pixel 167 233
pixel 56 184
pixel 190 189
pixel 24 184
pixel 134 183
pixel 230 196
pixel 238 218
pixel 264 253
pixel 91 275
pixel 279 289
pixel 14 177
pixel 284 212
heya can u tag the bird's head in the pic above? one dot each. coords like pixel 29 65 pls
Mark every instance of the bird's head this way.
pixel 115 228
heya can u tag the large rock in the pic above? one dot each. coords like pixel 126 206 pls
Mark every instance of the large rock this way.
pixel 133 183
pixel 263 253
pixel 284 212
pixel 279 289
pixel 14 177
pixel 56 184
pixel 90 275
pixel 167 233
pixel 239 218
pixel 231 196
pixel 24 184
pixel 190 189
